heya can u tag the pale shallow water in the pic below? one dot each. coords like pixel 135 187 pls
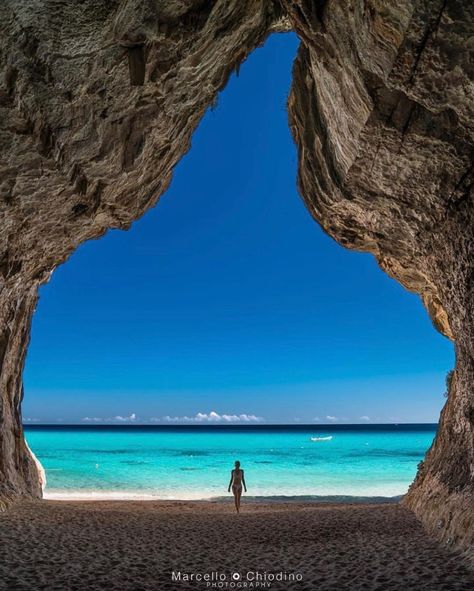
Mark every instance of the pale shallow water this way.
pixel 195 463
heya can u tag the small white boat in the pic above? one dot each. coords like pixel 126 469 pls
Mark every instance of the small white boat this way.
pixel 321 438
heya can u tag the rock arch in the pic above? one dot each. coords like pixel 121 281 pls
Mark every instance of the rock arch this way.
pixel 98 102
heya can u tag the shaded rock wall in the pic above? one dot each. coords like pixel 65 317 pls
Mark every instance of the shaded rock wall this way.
pixel 98 101
pixel 382 112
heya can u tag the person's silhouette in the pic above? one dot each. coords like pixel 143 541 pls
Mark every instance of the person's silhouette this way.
pixel 237 479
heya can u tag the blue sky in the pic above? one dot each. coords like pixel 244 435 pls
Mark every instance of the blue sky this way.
pixel 228 297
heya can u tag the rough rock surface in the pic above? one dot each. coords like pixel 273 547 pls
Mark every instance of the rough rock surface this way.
pixel 98 101
pixel 382 112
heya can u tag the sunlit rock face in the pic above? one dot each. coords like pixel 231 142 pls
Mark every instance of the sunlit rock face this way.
pixel 98 101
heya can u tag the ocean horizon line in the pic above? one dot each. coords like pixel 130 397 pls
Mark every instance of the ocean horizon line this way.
pixel 226 426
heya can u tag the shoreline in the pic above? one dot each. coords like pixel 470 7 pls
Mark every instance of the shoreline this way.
pixel 148 497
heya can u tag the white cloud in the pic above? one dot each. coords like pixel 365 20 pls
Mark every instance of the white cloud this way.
pixel 200 417
pixel 331 418
pixel 132 417
pixel 30 420
pixel 118 418
pixel 364 418
pixel 213 417
pixel 316 419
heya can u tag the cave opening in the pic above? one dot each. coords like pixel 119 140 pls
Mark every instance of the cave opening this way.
pixel 227 304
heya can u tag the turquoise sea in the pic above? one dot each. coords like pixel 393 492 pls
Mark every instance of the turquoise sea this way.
pixel 194 462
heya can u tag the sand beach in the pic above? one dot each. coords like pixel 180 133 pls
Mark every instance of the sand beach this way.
pixel 160 545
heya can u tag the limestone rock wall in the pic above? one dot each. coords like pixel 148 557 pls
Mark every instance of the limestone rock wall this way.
pixel 98 102
pixel 382 112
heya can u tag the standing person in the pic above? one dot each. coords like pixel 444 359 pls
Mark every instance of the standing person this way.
pixel 237 479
